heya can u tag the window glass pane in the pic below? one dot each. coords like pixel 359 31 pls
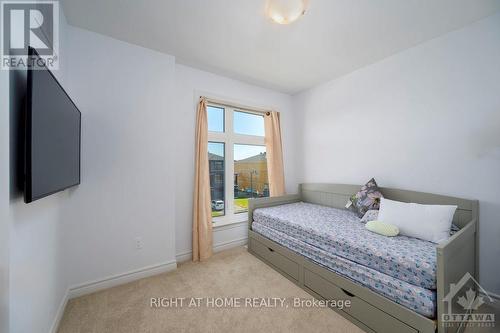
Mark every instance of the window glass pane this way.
pixel 250 175
pixel 217 171
pixel 215 119
pixel 248 123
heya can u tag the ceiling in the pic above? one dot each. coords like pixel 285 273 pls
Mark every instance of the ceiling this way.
pixel 235 39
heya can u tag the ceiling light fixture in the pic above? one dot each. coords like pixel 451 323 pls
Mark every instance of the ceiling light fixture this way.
pixel 286 11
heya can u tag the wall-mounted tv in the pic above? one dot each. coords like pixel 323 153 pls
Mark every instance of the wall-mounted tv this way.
pixel 53 135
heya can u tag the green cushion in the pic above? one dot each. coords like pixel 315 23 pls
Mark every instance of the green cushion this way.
pixel 382 228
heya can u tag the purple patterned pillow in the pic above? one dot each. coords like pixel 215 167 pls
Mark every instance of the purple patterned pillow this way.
pixel 366 199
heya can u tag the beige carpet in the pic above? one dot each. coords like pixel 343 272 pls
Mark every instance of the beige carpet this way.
pixel 234 273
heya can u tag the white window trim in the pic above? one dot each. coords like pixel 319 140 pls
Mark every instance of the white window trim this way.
pixel 229 138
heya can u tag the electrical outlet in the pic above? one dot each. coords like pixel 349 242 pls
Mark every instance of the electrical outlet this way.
pixel 138 243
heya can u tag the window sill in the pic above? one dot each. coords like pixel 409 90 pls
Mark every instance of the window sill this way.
pixel 229 220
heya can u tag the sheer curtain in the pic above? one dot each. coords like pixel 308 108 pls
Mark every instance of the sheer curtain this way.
pixel 274 150
pixel 202 211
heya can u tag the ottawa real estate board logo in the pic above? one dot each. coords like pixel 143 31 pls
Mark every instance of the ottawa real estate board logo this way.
pixel 464 302
pixel 25 24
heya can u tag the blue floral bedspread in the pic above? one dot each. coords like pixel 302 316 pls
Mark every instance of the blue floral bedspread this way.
pixel 340 232
pixel 418 299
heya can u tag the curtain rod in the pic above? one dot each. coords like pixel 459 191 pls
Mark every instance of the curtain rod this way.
pixel 235 105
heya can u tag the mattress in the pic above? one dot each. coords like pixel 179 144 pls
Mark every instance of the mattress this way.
pixel 418 299
pixel 339 232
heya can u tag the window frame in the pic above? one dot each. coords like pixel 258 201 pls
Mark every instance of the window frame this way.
pixel 230 138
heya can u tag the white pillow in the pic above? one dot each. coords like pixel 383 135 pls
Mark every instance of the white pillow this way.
pixel 427 222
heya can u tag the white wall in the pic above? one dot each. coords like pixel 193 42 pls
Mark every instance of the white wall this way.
pixel 427 119
pixel 127 186
pixel 37 284
pixel 189 84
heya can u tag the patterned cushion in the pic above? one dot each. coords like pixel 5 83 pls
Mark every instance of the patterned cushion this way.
pixel 367 198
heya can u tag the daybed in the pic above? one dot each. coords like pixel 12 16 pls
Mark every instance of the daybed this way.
pixel 394 284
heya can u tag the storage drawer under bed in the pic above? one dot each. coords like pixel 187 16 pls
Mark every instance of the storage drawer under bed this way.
pixel 371 316
pixel 279 261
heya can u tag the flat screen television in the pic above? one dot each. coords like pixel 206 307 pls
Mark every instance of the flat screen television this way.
pixel 52 134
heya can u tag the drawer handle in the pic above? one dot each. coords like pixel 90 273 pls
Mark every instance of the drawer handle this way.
pixel 270 249
pixel 347 293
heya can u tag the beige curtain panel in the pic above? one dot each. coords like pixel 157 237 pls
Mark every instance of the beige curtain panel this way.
pixel 274 149
pixel 202 211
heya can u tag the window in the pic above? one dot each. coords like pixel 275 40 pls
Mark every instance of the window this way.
pixel 216 170
pixel 248 123
pixel 250 175
pixel 237 161
pixel 215 119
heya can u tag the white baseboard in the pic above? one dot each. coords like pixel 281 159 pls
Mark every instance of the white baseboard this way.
pixel 60 312
pixel 112 281
pixel 116 280
pixel 230 244
pixel 186 256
